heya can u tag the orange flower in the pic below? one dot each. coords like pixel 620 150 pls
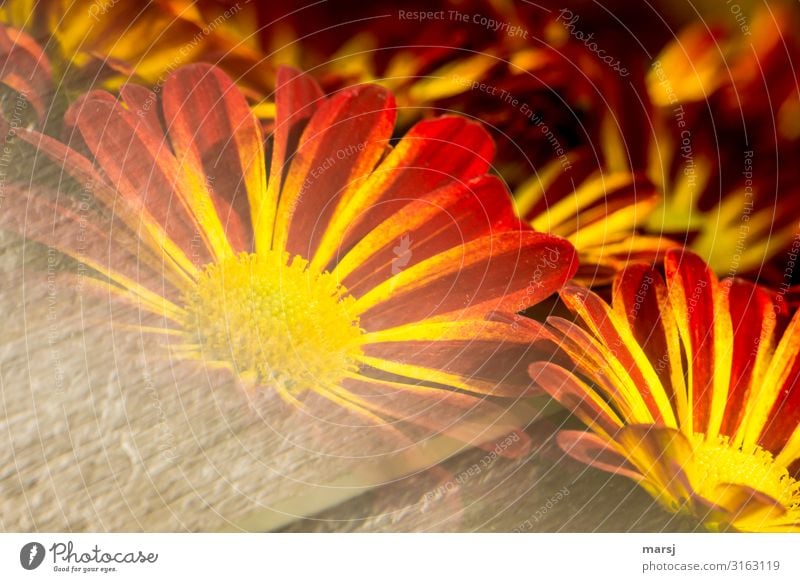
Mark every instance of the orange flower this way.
pixel 326 263
pixel 690 389
pixel 111 41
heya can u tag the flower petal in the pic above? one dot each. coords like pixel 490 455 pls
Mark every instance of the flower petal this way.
pixel 447 151
pixel 26 69
pixel 701 312
pixel 491 273
pixel 219 143
pixel 472 420
pixel 781 392
pixel 70 164
pixel 640 296
pixel 596 452
pixel 141 167
pixel 486 357
pixel 340 146
pixel 576 396
pixel 417 229
pixel 747 508
pixel 625 356
pixel 753 319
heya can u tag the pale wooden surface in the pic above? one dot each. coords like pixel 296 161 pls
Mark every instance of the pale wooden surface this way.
pixel 520 496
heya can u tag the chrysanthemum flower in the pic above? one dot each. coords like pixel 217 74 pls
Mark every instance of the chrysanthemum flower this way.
pixel 383 278
pixel 725 139
pixel 110 41
pixel 690 389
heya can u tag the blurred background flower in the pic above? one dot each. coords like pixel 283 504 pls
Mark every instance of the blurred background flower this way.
pixel 725 139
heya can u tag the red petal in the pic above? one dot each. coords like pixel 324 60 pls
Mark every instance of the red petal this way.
pixel 439 153
pixel 784 417
pixel 640 295
pixel 418 228
pixel 753 321
pixel 597 315
pixel 504 272
pixel 26 69
pixel 140 166
pixel 213 131
pixel 297 97
pixel 488 357
pixel 693 290
pixel 339 147
pixel 145 103
pixel 76 229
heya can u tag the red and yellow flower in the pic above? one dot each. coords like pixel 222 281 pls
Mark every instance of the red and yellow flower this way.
pixel 110 41
pixel 327 262
pixel 691 387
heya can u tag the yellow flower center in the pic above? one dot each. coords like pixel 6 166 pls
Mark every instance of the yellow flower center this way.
pixel 717 461
pixel 275 320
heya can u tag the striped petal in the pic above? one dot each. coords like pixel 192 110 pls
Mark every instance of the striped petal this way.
pixel 444 152
pixel 703 319
pixel 219 144
pixel 340 146
pixel 508 271
pixel 481 356
pixel 416 229
pixel 26 69
pixel 141 167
